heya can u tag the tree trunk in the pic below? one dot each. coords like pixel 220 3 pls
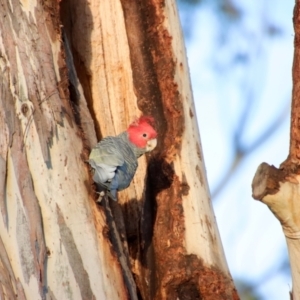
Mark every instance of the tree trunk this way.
pixel 280 188
pixel 72 73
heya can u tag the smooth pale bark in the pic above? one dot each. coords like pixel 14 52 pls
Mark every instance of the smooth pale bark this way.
pixel 110 62
pixel 51 232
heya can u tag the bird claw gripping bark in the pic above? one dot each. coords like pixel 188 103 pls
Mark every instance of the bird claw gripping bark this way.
pixel 102 191
pixel 101 195
pixel 114 159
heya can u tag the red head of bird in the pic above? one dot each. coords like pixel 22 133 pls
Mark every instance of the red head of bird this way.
pixel 142 134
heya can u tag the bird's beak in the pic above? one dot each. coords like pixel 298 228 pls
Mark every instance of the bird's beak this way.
pixel 151 144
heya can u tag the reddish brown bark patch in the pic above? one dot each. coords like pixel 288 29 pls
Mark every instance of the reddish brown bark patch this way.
pixel 294 155
pixel 266 181
pixel 176 271
pixel 153 66
pixel 190 280
pixel 168 272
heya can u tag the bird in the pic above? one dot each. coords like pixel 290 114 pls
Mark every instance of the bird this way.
pixel 114 159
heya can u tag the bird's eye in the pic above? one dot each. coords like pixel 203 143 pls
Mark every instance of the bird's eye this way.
pixel 144 134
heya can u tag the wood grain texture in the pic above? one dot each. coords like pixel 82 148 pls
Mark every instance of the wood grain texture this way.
pixel 51 231
pixel 133 55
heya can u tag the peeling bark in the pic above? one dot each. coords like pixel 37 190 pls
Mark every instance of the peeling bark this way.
pixel 50 228
pixel 133 56
pixel 62 89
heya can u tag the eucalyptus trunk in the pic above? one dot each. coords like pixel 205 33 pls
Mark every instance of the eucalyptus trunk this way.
pixel 71 73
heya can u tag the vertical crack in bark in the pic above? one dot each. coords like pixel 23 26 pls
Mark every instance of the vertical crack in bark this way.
pixel 82 114
pixel 164 260
pixel 153 76
pixel 119 248
pixel 80 90
pixel 3 195
pixel 142 45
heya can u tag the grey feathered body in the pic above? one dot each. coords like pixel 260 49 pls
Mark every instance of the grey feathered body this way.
pixel 114 160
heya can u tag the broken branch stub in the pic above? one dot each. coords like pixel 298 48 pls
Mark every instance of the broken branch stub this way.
pixel 280 192
pixel 265 181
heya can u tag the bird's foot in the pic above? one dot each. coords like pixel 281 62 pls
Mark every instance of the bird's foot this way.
pixel 101 195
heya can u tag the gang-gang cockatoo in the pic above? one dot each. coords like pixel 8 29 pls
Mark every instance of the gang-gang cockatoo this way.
pixel 114 159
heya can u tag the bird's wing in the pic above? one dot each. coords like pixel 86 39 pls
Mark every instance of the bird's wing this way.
pixel 107 152
pixel 105 158
pixel 124 175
